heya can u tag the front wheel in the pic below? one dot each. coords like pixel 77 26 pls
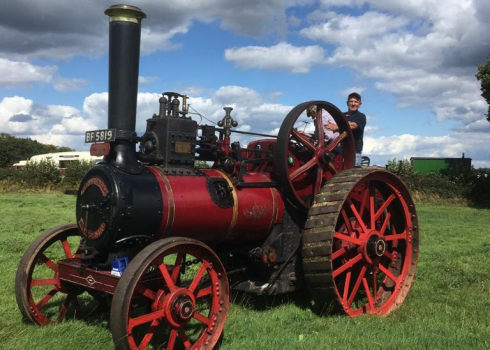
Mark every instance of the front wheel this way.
pixel 41 296
pixel 173 295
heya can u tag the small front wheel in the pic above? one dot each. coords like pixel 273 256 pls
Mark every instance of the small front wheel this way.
pixel 174 294
pixel 41 296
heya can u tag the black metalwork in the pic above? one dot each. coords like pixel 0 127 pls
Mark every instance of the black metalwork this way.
pixel 220 192
pixel 124 52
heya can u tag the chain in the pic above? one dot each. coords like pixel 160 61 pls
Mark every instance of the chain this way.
pixel 191 262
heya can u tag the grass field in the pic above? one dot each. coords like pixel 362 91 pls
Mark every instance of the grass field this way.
pixel 447 308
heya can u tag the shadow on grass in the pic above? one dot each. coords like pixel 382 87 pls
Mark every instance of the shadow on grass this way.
pixel 267 302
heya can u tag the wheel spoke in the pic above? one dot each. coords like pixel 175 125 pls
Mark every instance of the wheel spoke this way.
pixel 66 248
pixel 371 212
pixel 346 238
pixel 166 277
pixel 335 142
pixel 202 318
pixel 44 282
pixel 346 285
pixel 146 340
pixel 368 293
pixel 364 199
pixel 185 339
pixel 388 255
pixel 48 262
pixel 137 321
pixel 303 140
pixel 396 237
pixel 347 265
pixel 146 292
pixel 204 292
pixel 178 264
pixel 385 224
pixel 347 222
pixel 384 206
pixel 388 273
pixel 320 133
pixel 47 297
pixel 339 253
pixel 356 285
pixel 305 167
pixel 358 217
pixel 171 339
pixel 198 277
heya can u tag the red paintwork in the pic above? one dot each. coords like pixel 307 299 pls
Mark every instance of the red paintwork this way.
pixel 100 149
pixel 189 211
pixel 73 271
pixel 264 145
pixel 372 284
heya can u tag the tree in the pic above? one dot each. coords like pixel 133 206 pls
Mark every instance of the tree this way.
pixel 483 76
pixel 13 149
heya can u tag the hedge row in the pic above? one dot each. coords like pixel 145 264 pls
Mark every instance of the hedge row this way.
pixel 44 175
pixel 471 185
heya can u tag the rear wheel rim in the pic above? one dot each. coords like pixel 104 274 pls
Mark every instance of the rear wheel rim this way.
pixel 373 245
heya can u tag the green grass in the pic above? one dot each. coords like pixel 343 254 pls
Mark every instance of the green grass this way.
pixel 447 308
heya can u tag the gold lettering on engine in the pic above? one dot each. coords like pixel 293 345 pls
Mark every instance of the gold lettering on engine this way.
pixel 256 213
pixel 97 182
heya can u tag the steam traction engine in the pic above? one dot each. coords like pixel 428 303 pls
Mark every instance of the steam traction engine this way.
pixel 164 241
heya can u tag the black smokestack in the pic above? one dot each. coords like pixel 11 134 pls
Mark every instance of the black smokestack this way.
pixel 124 55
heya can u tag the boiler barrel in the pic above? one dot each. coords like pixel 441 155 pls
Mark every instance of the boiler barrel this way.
pixel 209 208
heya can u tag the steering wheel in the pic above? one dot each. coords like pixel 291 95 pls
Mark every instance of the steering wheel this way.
pixel 303 162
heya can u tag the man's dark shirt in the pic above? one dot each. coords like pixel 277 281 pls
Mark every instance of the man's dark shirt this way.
pixel 360 119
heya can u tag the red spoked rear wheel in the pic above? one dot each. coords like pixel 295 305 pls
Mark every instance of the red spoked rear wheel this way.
pixel 360 245
pixel 41 296
pixel 173 295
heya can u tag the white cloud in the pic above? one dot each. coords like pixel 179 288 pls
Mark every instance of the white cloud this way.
pixel 64 84
pixel 73 125
pixel 346 92
pixel 24 74
pixel 146 80
pixel 14 73
pixel 30 30
pixel 154 40
pixel 421 52
pixel 474 145
pixel 283 56
pixel 341 29
pixel 65 125
pixel 294 21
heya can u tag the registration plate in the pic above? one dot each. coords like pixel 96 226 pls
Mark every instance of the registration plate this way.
pixel 108 135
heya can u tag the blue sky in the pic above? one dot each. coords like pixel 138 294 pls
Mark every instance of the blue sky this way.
pixel 413 63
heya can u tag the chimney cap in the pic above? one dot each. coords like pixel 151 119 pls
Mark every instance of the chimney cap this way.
pixel 125 13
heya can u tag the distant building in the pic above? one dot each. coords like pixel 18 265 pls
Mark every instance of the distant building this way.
pixel 60 159
pixel 440 165
pixel 19 165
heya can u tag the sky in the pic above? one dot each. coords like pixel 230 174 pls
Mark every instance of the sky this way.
pixel 413 61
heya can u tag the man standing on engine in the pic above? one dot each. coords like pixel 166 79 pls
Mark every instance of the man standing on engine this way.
pixel 357 122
